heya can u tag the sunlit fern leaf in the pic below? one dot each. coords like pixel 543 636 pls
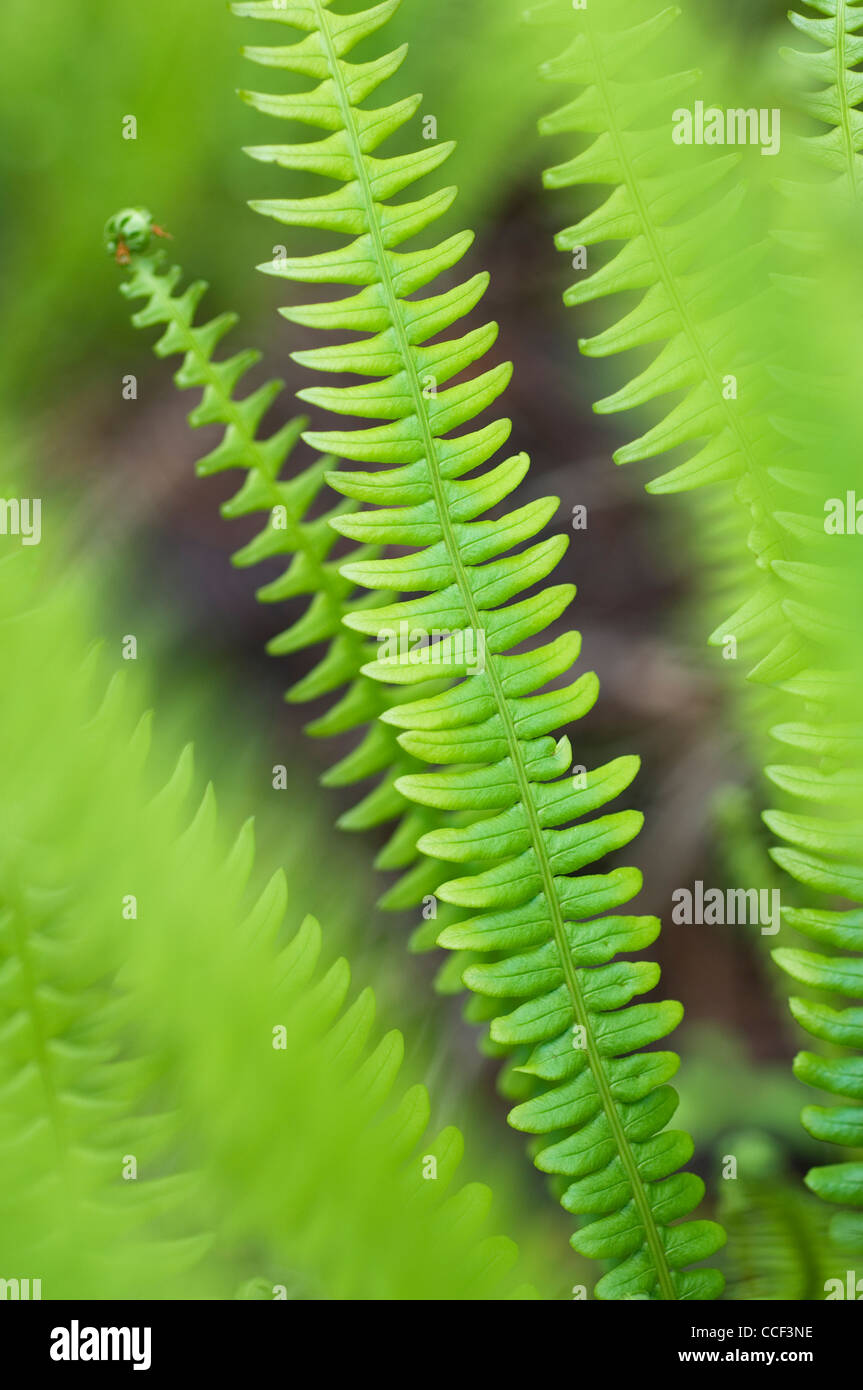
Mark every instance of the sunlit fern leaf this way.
pixel 312 1150
pixel 288 532
pixel 833 87
pixel 365 1203
pixel 604 1103
pixel 680 238
pixel 758 443
pixel 78 1100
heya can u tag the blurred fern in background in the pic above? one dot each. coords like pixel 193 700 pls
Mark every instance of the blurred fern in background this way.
pixel 187 1096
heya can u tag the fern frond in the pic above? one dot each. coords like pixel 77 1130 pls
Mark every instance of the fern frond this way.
pixel 77 1098
pixel 840 1073
pixel 822 781
pixel 406 1230
pixel 98 1011
pixel 823 840
pixel 693 302
pixel 604 1103
pixel 822 850
pixel 688 256
pixel 834 89
pixel 289 532
pixel 778 1244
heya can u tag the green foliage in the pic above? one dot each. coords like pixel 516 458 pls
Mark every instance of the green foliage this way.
pixel 823 847
pixel 75 1098
pixel 834 87
pixel 115 1045
pixel 305 540
pixel 685 253
pixel 603 1103
pixel 839 1074
pixel 778 1246
pixel 303 1058
pixel 760 441
pixel 129 236
pixel 170 64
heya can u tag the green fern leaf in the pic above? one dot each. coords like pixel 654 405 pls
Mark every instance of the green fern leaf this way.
pixel 99 1013
pixel 693 302
pixel 833 89
pixel 688 254
pixel 778 1243
pixel 604 1103
pixel 78 1099
pixel 289 532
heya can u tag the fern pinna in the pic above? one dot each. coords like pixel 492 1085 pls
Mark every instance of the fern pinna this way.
pixel 693 301
pixel 603 1103
pixel 130 235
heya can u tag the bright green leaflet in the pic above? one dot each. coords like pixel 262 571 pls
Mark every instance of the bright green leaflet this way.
pixel 606 1104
